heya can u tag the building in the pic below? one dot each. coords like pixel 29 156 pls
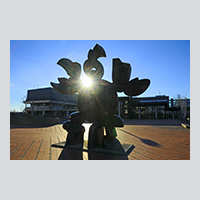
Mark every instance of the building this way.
pixel 158 107
pixel 49 102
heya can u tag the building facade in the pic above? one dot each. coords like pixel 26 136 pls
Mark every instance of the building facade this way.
pixel 49 102
pixel 158 107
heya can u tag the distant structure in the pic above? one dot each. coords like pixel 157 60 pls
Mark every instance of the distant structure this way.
pixel 158 107
pixel 49 102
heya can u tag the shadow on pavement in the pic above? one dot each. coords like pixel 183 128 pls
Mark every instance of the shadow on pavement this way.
pixel 145 141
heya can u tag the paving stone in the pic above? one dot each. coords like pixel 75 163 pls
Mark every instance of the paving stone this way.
pixel 157 142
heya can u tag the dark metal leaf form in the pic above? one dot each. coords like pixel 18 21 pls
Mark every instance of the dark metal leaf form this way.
pixel 63 80
pixel 136 87
pixel 60 88
pixel 120 74
pixel 73 69
pixel 92 67
pixel 98 52
pixel 66 86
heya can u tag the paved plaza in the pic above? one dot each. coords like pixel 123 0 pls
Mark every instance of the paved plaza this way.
pixel 153 140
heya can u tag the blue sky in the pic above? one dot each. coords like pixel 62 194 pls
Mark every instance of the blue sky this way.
pixel 165 62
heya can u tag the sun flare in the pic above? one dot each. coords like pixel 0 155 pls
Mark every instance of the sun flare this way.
pixel 86 82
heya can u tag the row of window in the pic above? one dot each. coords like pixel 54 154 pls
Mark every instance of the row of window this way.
pixel 49 105
pixel 149 112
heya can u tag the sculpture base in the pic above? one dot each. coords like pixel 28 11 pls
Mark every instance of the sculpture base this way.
pixel 125 150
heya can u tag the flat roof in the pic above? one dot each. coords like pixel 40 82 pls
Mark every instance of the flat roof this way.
pixel 44 94
pixel 157 100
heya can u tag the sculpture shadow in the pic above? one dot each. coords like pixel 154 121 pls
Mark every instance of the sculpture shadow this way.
pixel 75 154
pixel 71 154
pixel 145 141
pixel 103 156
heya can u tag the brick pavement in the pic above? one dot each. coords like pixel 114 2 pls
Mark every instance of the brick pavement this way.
pixel 152 142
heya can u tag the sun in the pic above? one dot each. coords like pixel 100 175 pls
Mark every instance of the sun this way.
pixel 86 81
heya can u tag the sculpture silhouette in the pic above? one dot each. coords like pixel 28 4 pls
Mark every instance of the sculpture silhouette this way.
pixel 97 104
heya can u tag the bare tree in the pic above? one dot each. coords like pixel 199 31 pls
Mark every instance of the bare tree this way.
pixel 23 98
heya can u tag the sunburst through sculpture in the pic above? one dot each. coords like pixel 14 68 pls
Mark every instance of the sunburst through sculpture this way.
pixel 86 82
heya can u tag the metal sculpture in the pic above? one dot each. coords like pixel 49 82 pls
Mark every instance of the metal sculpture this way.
pixel 98 103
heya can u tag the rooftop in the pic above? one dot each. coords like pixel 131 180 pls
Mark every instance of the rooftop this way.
pixel 49 94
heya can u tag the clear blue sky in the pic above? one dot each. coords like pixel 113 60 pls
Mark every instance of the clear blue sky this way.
pixel 165 62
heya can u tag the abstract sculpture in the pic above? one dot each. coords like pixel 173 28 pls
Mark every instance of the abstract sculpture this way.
pixel 98 103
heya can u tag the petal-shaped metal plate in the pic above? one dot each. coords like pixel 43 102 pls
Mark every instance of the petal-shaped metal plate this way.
pixel 136 87
pixel 73 69
pixel 121 72
pixel 96 53
pixel 66 86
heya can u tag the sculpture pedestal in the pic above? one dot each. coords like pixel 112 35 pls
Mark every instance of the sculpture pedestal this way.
pixel 125 149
